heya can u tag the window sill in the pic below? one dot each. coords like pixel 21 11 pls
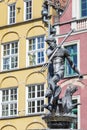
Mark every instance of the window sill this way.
pixel 25 116
pixel 9 117
pixel 71 76
pixel 20 23
pixel 35 114
pixel 19 69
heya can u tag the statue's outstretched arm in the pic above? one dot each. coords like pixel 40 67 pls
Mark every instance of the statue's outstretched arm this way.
pixel 74 67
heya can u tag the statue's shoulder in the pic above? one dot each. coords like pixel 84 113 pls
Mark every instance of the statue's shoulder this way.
pixel 66 52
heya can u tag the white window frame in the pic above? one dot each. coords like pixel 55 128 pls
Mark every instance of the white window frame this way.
pixel 9 13
pixel 76 9
pixel 34 99
pixel 36 50
pixel 77 97
pixel 25 10
pixel 9 102
pixel 10 56
pixel 78 51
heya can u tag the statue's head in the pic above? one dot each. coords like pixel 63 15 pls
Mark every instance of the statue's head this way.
pixel 71 89
pixel 51 42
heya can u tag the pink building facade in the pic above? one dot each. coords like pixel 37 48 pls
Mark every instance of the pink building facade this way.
pixel 75 17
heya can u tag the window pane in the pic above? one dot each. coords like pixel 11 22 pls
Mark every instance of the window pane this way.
pixel 31 107
pixel 40 57
pixel 13 109
pixel 40 90
pixel 36 51
pixel 32 59
pixel 14 48
pixel 83 8
pixel 32 45
pixel 10 55
pixel 12 13
pixel 5 110
pixel 39 104
pixel 6 50
pixel 40 42
pixel 75 111
pixel 31 92
pixel 28 9
pixel 35 98
pixel 6 64
pixel 9 102
pixel 14 62
pixel 5 95
pixel 13 94
pixel 73 54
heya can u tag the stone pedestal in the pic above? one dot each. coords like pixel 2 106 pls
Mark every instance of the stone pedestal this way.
pixel 59 121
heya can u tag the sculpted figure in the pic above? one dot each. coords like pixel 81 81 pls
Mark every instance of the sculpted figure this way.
pixel 67 105
pixel 56 72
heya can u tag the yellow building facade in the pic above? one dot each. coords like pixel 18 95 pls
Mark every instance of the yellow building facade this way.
pixel 22 53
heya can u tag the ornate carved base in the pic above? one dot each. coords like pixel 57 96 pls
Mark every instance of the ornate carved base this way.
pixel 59 121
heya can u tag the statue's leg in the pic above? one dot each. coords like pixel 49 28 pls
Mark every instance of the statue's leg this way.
pixel 53 92
pixel 49 90
pixel 48 107
pixel 59 76
pixel 57 92
pixel 53 82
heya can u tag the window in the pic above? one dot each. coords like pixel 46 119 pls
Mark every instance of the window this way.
pixel 8 102
pixel 83 8
pixel 10 55
pixel 35 99
pixel 12 13
pixel 28 9
pixel 73 54
pixel 36 51
pixel 76 111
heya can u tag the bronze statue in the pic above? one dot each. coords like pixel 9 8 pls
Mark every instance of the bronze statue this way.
pixel 56 72
pixel 56 58
pixel 60 109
